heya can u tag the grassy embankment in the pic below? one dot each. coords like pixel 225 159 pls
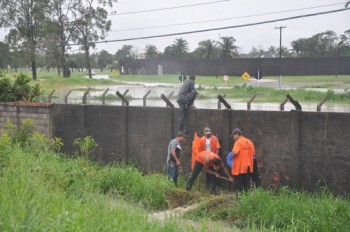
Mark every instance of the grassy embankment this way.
pixel 46 191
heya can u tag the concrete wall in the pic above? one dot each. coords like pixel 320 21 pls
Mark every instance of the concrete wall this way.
pixel 294 148
pixel 16 112
pixel 237 66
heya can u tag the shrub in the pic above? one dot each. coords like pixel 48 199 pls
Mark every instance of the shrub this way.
pixel 86 146
pixel 20 90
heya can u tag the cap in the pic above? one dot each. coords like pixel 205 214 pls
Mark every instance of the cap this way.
pixel 237 131
pixel 181 134
pixel 207 131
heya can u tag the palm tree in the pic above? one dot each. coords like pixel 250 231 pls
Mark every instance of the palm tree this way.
pixel 228 49
pixel 206 49
pixel 151 52
pixel 180 47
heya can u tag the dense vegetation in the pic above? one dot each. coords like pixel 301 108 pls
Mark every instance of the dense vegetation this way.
pixel 18 90
pixel 43 190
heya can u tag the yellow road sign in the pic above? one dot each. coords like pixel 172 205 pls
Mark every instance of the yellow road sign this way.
pixel 245 76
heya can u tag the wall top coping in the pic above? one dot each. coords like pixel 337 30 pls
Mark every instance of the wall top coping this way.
pixel 38 104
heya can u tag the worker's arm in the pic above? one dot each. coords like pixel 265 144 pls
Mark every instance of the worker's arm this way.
pixel 226 171
pixel 207 166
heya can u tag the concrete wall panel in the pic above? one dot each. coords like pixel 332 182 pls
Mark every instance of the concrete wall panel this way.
pixel 325 151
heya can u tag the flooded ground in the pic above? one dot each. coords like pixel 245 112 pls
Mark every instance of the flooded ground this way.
pixel 135 93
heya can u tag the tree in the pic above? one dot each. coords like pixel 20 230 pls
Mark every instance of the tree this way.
pixel 257 51
pixel 60 32
pixel 321 44
pixel 180 48
pixel 91 24
pixel 206 49
pixel 77 61
pixel 125 52
pixel 326 43
pixel 151 52
pixel 228 49
pixel 343 45
pixel 5 55
pixel 26 18
pixel 104 59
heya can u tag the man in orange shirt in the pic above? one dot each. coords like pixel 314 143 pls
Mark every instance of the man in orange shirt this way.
pixel 209 142
pixel 211 163
pixel 243 154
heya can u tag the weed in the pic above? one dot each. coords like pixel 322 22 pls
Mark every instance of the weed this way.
pixel 86 146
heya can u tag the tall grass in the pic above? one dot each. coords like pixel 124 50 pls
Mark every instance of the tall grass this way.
pixel 44 191
pixel 283 210
pixel 49 193
pixel 290 210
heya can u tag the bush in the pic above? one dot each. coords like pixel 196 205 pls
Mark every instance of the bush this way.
pixel 26 136
pixel 20 90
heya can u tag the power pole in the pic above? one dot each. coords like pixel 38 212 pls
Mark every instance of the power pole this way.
pixel 280 58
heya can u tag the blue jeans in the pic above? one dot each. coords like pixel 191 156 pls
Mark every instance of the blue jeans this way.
pixel 173 171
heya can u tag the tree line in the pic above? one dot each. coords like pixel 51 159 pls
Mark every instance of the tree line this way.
pixel 41 34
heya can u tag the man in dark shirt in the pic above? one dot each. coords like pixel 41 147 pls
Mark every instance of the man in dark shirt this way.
pixel 185 98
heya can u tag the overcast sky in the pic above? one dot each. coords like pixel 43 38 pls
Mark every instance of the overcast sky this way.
pixel 217 14
pixel 141 18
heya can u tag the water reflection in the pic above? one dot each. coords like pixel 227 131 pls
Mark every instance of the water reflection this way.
pixel 138 90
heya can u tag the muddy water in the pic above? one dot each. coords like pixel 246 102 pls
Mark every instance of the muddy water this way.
pixel 177 213
pixel 138 90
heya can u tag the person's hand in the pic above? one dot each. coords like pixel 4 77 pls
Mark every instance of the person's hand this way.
pixel 230 179
pixel 178 163
pixel 217 174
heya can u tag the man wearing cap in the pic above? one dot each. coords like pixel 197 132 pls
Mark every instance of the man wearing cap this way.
pixel 209 142
pixel 173 162
pixel 211 163
pixel 185 98
pixel 243 154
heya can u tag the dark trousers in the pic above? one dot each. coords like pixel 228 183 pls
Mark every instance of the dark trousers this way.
pixel 242 182
pixel 196 170
pixel 182 116
pixel 255 175
pixel 184 103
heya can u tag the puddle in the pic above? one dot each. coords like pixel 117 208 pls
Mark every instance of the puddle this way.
pixel 177 214
pixel 99 77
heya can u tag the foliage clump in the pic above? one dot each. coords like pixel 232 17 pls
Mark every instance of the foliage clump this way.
pixel 18 90
pixel 27 136
pixel 86 146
